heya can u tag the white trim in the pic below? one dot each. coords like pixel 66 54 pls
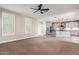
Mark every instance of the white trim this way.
pixel 17 39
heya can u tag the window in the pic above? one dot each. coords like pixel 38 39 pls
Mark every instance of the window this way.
pixel 8 24
pixel 28 25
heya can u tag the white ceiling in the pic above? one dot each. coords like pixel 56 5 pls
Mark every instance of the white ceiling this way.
pixel 55 9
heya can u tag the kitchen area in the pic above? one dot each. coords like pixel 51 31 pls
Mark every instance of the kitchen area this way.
pixel 63 29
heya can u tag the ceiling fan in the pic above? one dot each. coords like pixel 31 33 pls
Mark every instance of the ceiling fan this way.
pixel 40 9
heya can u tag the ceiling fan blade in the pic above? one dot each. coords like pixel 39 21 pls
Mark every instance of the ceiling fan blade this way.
pixel 33 8
pixel 40 6
pixel 41 11
pixel 45 9
pixel 35 11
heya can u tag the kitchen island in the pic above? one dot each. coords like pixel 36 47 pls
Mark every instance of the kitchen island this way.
pixel 64 33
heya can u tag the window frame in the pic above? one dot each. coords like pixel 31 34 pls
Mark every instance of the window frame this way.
pixel 30 31
pixel 8 34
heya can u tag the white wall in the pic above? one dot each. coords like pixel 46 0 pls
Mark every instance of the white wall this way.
pixel 19 28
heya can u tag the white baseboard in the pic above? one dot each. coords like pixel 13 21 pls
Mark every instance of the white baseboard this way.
pixel 17 39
